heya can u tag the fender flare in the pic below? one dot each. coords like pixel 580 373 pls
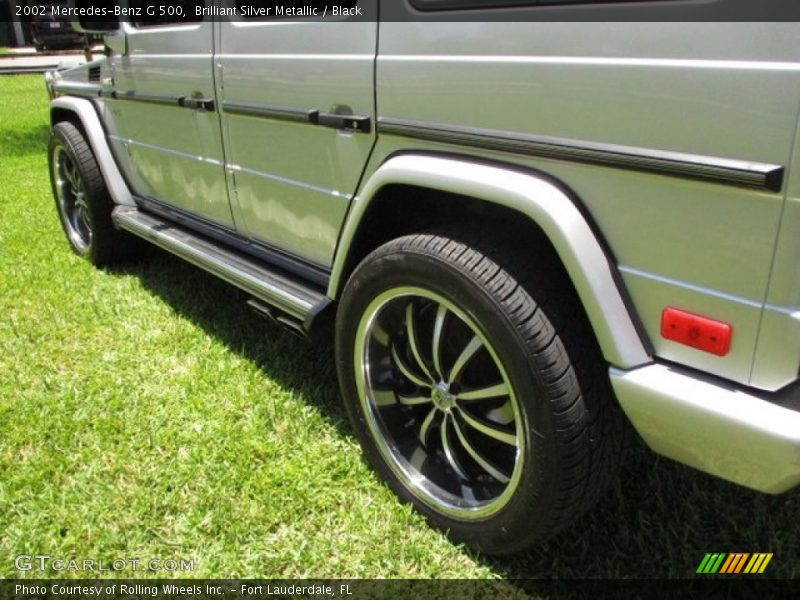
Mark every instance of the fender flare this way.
pixel 86 113
pixel 542 202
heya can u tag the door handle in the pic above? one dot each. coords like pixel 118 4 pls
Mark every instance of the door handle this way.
pixel 197 103
pixel 349 122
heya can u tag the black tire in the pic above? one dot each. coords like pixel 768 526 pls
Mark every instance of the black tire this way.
pixel 553 441
pixel 82 200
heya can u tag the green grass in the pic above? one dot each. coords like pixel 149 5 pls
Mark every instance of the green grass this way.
pixel 144 412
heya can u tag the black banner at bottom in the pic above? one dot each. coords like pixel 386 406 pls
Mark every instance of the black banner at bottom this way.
pixel 359 589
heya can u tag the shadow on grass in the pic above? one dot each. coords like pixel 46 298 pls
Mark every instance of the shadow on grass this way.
pixel 657 521
pixel 16 142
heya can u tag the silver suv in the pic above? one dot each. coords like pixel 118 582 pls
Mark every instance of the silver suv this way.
pixel 531 236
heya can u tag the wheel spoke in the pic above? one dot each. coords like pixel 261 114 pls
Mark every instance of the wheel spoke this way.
pixel 467 354
pixel 380 335
pixel 412 340
pixel 80 199
pixel 426 427
pixel 383 398
pixel 61 169
pixel 413 400
pixel 69 173
pixel 76 177
pixel 484 463
pixel 448 449
pixel 489 430
pixel 438 326
pixel 406 370
pixel 84 216
pixel 492 391
pixel 76 219
pixel 502 415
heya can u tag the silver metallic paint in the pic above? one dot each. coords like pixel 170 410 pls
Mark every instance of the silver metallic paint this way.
pixel 719 89
pixel 175 153
pixel 719 429
pixel 293 181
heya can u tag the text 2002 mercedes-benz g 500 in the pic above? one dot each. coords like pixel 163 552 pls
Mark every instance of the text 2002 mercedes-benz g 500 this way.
pixel 530 233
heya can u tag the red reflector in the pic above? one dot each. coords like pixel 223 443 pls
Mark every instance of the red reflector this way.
pixel 696 331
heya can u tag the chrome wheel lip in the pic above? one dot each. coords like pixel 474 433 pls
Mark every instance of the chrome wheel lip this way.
pixel 70 190
pixel 431 494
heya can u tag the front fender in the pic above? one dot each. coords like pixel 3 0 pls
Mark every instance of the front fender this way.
pixel 542 202
pixel 85 112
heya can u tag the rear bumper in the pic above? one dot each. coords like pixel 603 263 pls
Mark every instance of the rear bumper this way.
pixel 742 435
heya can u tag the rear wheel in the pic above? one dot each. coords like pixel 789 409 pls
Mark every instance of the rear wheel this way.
pixel 463 394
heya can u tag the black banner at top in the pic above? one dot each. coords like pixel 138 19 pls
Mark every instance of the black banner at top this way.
pixel 157 12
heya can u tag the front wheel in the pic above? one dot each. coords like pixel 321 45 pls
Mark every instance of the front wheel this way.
pixel 463 394
pixel 82 199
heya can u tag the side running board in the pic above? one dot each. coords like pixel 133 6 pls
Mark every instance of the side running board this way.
pixel 294 299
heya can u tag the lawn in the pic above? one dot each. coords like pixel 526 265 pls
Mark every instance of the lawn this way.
pixel 144 412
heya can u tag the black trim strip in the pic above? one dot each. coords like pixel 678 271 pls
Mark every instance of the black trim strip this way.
pixel 291 264
pixel 149 98
pixel 300 115
pixel 677 164
pixel 180 101
pixel 268 111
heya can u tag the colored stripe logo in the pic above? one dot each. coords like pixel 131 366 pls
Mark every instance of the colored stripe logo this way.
pixel 734 563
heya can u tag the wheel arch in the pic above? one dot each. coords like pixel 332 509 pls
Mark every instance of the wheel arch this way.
pixel 390 201
pixel 83 114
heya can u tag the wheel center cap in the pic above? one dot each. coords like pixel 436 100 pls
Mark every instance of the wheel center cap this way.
pixel 442 398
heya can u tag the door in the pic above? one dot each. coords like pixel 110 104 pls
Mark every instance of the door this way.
pixel 164 122
pixel 298 113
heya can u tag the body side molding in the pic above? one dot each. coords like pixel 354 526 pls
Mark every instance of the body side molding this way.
pixel 716 169
pixel 542 202
pixel 86 113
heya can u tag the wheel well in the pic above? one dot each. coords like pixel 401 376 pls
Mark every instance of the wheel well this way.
pixel 400 210
pixel 59 115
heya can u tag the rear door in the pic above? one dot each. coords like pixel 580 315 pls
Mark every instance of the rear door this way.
pixel 164 123
pixel 298 114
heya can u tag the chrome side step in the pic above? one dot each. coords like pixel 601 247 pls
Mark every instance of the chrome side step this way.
pixel 294 299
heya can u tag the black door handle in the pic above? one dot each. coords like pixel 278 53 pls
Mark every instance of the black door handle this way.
pixel 350 122
pixel 195 103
